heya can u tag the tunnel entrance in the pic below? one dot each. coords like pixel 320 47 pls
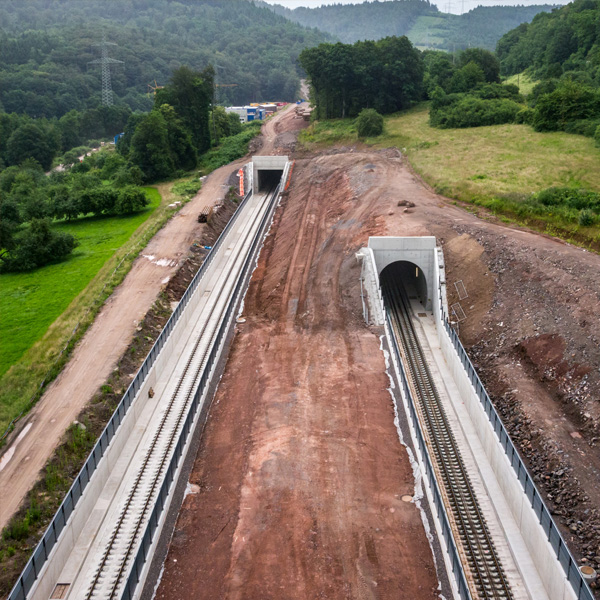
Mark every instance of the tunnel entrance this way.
pixel 409 275
pixel 267 172
pixel 268 179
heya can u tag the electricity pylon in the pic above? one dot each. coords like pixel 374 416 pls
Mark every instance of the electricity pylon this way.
pixel 105 61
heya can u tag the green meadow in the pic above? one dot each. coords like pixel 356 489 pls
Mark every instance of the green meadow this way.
pixel 74 289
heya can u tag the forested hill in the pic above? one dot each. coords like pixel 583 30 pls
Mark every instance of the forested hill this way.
pixel 365 21
pixel 419 20
pixel 564 41
pixel 46 47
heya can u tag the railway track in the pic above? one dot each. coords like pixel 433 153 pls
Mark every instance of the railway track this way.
pixel 111 572
pixel 485 575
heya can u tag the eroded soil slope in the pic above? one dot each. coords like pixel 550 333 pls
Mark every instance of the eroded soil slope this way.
pixel 298 484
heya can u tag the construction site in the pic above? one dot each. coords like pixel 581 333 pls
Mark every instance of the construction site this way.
pixel 365 391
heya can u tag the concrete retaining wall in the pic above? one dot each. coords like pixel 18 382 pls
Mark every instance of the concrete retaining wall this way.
pixel 549 568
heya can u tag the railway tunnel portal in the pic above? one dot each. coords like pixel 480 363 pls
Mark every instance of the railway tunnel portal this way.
pixel 413 260
pixel 267 172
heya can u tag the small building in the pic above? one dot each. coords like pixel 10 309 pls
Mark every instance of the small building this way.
pixel 240 111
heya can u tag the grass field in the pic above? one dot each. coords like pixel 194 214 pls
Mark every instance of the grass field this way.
pixel 30 302
pixel 523 82
pixel 41 310
pixel 427 31
pixel 483 163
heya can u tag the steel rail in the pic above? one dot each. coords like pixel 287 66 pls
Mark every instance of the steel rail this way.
pixel 486 580
pixel 141 496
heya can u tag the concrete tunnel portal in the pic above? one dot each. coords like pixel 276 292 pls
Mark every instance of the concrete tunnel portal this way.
pixel 267 172
pixel 410 276
pixel 411 260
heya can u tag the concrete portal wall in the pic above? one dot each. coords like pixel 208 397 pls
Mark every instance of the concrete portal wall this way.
pixel 267 163
pixel 549 569
pixel 418 250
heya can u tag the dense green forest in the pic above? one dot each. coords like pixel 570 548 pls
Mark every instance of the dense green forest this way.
pixel 386 75
pixel 46 47
pixel 422 22
pixel 567 40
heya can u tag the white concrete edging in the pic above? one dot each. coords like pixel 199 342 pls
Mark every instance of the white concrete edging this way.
pixel 549 568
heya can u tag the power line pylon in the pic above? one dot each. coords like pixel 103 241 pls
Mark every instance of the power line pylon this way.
pixel 105 61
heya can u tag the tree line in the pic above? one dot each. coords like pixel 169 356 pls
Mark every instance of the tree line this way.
pixel 386 75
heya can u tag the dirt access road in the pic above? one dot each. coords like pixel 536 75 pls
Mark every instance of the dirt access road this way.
pixel 98 352
pixel 296 488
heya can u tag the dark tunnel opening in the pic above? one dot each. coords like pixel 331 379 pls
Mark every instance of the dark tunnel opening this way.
pixel 409 275
pixel 268 179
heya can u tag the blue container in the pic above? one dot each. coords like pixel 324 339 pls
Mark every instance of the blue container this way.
pixel 251 117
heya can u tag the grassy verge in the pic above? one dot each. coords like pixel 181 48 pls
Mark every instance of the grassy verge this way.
pixel 46 312
pixel 498 167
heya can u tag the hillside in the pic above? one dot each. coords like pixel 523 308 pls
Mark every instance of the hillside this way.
pixel 566 40
pixel 46 47
pixel 419 20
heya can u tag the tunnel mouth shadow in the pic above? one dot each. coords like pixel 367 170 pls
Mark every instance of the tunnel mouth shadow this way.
pixel 406 274
pixel 268 179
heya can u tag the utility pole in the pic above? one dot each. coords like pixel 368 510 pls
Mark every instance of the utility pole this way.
pixel 105 61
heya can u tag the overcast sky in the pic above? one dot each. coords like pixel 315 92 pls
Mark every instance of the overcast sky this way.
pixel 443 5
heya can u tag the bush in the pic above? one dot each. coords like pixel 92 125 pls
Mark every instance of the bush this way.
pixel 572 198
pixel 468 111
pixel 525 116
pixel 568 102
pixel 37 245
pixel 586 217
pixel 187 188
pixel 369 123
pixel 232 148
pixel 586 127
pixel 597 136
pixel 130 200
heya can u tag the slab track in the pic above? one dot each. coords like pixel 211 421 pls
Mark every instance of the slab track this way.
pixel 137 505
pixel 485 575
